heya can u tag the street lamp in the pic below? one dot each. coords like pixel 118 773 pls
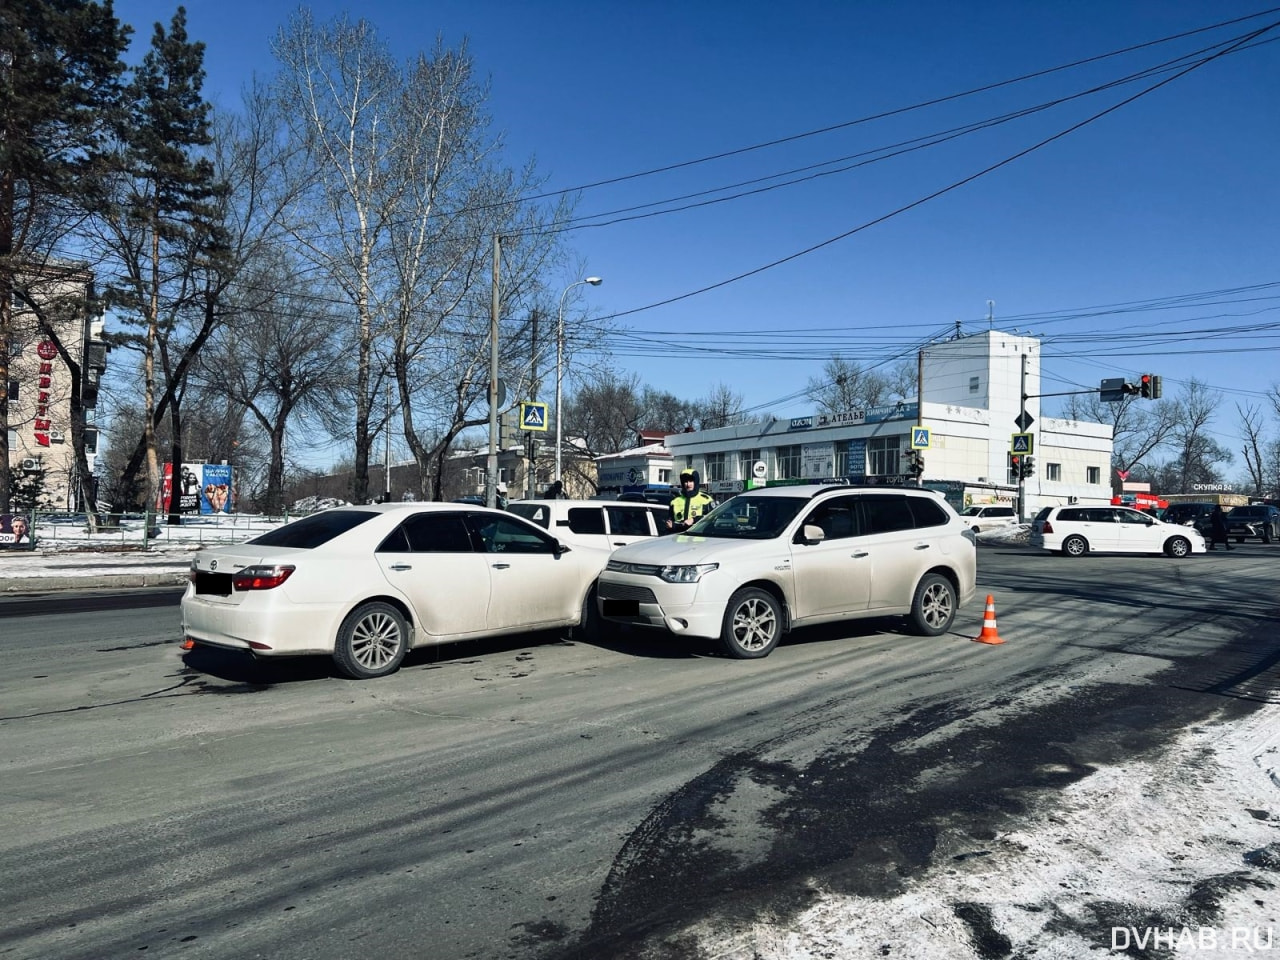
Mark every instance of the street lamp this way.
pixel 595 282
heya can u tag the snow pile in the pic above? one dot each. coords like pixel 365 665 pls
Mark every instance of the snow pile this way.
pixel 1186 847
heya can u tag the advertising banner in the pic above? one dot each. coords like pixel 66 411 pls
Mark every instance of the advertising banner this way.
pixel 215 488
pixel 15 530
pixel 201 488
pixel 817 460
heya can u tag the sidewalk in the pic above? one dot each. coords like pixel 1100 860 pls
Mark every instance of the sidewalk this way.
pixel 46 571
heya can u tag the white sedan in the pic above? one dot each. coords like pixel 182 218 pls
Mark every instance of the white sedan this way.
pixel 366 584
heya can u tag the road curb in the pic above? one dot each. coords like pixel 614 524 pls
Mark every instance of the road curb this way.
pixel 153 578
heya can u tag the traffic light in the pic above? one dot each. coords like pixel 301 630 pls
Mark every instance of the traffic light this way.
pixel 1028 467
pixel 915 460
pixel 1015 466
pixel 1157 391
pixel 1144 386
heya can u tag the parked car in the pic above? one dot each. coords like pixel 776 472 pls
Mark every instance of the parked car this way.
pixel 770 560
pixel 1190 514
pixel 365 584
pixel 1259 521
pixel 602 524
pixel 1075 531
pixel 988 516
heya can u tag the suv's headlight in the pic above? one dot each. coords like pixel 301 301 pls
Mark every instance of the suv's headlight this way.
pixel 688 574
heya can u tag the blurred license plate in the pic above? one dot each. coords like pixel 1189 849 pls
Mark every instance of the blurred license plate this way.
pixel 621 608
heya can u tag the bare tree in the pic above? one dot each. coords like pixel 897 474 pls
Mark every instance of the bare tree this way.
pixel 1254 449
pixel 406 197
pixel 720 408
pixel 1197 454
pixel 846 385
pixel 1139 429
pixel 605 413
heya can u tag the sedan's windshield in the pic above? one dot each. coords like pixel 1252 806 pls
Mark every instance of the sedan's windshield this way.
pixel 749 518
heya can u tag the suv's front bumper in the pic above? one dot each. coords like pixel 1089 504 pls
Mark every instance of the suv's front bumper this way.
pixel 650 602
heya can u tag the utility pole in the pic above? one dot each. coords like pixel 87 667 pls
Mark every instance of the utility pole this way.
pixel 386 450
pixel 531 484
pixel 919 404
pixel 1022 419
pixel 491 493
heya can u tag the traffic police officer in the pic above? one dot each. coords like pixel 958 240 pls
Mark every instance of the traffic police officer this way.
pixel 689 504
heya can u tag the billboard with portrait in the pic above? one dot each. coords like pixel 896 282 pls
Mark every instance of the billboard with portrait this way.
pixel 201 488
pixel 15 530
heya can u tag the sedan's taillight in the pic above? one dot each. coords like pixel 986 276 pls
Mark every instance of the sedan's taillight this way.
pixel 261 578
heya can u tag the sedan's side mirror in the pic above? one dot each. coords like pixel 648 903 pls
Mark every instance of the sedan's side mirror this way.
pixel 561 549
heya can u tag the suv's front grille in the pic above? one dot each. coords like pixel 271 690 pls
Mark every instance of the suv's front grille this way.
pixel 625 591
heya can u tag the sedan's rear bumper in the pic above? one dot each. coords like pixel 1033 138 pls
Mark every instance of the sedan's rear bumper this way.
pixel 260 627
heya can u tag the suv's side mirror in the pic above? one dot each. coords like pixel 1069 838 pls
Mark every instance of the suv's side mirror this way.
pixel 812 533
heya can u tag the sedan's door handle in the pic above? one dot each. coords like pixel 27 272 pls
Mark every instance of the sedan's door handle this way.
pixel 922 546
pixel 860 554
pixel 402 566
pixel 619 543
pixel 501 566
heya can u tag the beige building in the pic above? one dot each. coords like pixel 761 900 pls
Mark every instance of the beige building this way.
pixel 53 323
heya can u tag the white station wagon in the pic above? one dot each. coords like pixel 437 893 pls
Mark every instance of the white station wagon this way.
pixel 770 560
pixel 1075 531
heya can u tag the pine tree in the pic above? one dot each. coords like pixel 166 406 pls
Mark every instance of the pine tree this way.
pixel 171 195
pixel 60 66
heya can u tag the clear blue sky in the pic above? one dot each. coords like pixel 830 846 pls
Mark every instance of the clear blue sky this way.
pixel 1174 194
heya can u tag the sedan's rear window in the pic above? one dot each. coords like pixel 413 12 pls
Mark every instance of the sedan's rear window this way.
pixel 314 530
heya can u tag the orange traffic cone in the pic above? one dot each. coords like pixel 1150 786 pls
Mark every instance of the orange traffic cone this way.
pixel 989 633
pixel 187 644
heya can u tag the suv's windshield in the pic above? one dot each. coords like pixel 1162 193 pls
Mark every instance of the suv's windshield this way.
pixel 749 518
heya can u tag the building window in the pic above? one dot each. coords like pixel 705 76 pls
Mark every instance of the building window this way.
pixel 664 474
pixel 850 459
pixel 1093 474
pixel 13 390
pixel 715 467
pixel 746 460
pixel 974 384
pixel 1053 471
pixel 788 462
pixel 15 349
pixel 883 454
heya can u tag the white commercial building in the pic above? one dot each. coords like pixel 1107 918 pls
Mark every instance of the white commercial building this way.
pixel 972 388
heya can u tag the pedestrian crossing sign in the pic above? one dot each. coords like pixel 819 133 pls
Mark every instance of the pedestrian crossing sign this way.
pixel 533 415
pixel 919 438
pixel 1022 443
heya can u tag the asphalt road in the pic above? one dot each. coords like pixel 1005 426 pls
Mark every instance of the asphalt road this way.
pixel 552 800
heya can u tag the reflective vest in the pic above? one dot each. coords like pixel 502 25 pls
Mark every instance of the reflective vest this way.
pixel 687 509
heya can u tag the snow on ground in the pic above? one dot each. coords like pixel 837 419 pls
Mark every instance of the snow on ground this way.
pixel 1201 825
pixel 67 550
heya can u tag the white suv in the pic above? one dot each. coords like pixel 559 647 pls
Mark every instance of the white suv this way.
pixel 770 560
